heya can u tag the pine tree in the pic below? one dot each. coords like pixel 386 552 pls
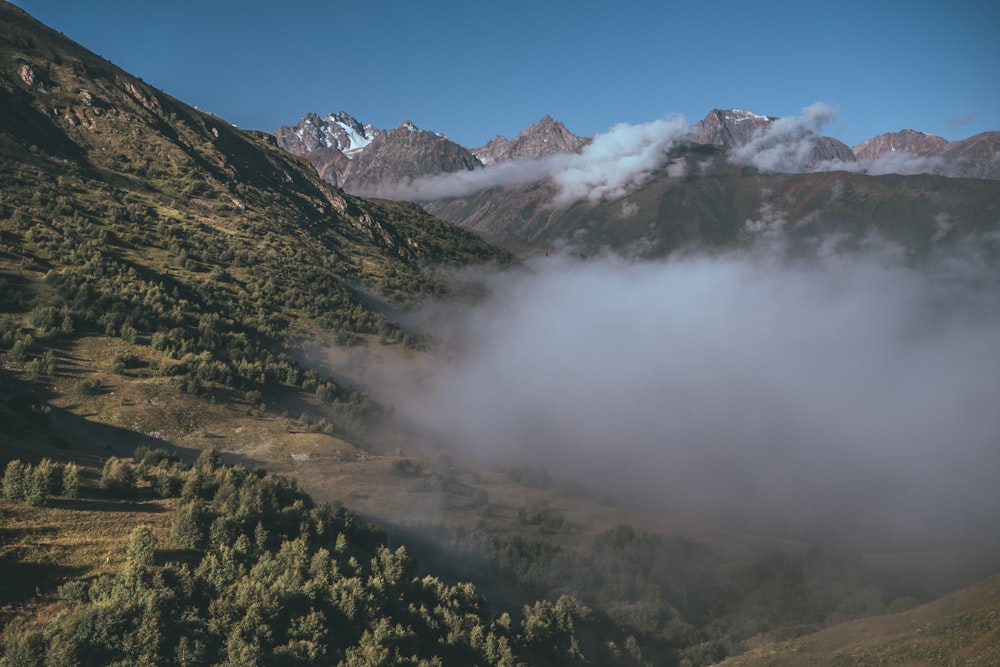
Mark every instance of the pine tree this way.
pixel 142 545
pixel 71 481
pixel 14 480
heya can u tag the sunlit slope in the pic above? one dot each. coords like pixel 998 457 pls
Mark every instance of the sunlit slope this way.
pixel 959 629
pixel 129 215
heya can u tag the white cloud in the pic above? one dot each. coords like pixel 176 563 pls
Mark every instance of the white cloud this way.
pixel 614 161
pixel 852 390
pixel 787 144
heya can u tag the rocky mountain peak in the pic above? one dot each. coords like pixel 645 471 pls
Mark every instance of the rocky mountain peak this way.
pixel 547 137
pixel 917 144
pixel 402 154
pixel 339 131
pixel 729 127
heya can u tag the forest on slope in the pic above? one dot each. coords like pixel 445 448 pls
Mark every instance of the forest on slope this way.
pixel 163 278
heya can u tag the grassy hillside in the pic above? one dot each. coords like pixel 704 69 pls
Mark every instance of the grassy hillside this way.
pixel 959 629
pixel 155 240
pixel 165 279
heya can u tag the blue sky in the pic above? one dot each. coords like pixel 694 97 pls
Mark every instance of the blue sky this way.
pixel 473 70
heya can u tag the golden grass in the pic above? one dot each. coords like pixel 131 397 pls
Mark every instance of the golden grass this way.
pixel 43 547
pixel 962 628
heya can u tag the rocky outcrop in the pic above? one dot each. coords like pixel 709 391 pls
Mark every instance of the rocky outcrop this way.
pixel 975 157
pixel 917 144
pixel 547 137
pixel 335 130
pixel 403 154
pixel 729 127
pixel 828 148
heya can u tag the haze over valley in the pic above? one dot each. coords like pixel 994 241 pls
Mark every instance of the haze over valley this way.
pixel 674 392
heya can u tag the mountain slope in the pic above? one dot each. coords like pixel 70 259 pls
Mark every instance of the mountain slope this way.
pixel 958 629
pixel 674 201
pixel 717 203
pixel 207 251
pixel 364 160
pixel 975 157
pixel 402 154
pixel 547 137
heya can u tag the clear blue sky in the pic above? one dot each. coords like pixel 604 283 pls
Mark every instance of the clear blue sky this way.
pixel 471 70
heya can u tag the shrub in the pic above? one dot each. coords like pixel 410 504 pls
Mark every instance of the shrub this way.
pixel 118 477
pixel 142 545
pixel 89 387
pixel 70 481
pixel 14 480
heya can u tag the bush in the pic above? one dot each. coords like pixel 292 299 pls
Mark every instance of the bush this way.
pixel 118 477
pixel 48 476
pixel 14 480
pixel 70 481
pixel 142 545
pixel 89 387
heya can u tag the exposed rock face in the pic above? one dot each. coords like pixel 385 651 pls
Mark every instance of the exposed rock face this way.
pixel 402 154
pixel 330 163
pixel 736 129
pixel 359 157
pixel 915 143
pixel 729 127
pixel 335 130
pixel 975 157
pixel 828 148
pixel 547 137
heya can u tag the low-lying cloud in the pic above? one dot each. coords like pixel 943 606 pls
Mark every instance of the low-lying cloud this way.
pixel 848 392
pixel 792 145
pixel 626 155
pixel 622 157
pixel 788 144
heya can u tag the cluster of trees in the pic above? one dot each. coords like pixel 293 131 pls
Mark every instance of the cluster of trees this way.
pixel 34 484
pixel 680 595
pixel 266 577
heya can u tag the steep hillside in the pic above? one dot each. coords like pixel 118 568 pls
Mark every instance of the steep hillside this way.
pixel 714 202
pixel 974 157
pixel 959 629
pixel 175 293
pixel 517 195
pixel 402 154
pixel 127 214
pixel 546 137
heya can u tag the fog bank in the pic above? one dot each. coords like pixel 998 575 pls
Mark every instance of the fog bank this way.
pixel 847 392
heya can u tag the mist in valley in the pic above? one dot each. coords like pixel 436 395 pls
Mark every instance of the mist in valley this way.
pixel 848 396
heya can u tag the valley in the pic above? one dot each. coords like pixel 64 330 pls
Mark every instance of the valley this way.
pixel 717 415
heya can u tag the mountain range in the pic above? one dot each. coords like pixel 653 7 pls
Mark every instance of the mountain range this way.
pixel 376 157
pixel 730 173
pixel 175 287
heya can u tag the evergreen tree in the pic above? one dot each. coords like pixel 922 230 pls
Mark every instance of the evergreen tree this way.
pixel 142 545
pixel 118 477
pixel 70 481
pixel 14 480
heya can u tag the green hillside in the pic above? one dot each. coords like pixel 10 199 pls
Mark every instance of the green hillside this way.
pixel 126 214
pixel 170 289
pixel 959 629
